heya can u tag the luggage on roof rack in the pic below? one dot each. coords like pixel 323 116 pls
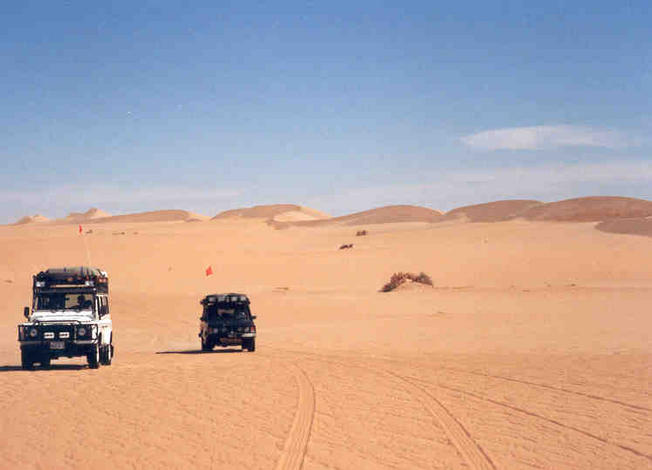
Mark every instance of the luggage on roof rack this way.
pixel 231 297
pixel 76 276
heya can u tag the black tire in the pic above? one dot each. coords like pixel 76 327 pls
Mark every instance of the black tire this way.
pixel 249 345
pixel 206 346
pixel 106 354
pixel 46 361
pixel 26 360
pixel 93 357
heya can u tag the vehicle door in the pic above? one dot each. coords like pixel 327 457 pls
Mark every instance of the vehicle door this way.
pixel 104 323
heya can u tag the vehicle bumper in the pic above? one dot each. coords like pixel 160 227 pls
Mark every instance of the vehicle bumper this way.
pixel 217 339
pixel 50 348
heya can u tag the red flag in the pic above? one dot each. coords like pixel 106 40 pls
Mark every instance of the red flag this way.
pixel 80 229
pixel 209 271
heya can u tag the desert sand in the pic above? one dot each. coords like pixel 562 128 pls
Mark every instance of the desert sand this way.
pixel 531 350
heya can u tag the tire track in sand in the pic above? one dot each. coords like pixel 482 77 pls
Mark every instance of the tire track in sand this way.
pixel 539 385
pixel 544 418
pixel 296 442
pixel 551 387
pixel 470 450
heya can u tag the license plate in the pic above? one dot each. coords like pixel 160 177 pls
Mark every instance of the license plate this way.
pixel 57 345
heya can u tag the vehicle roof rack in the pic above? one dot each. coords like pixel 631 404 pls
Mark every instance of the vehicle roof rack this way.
pixel 82 276
pixel 231 297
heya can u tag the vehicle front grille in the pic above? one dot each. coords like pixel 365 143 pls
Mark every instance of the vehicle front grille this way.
pixel 58 331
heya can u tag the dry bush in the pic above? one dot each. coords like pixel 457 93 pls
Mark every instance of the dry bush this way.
pixel 399 278
pixel 360 233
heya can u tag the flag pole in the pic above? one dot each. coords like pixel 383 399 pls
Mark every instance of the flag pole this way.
pixel 88 253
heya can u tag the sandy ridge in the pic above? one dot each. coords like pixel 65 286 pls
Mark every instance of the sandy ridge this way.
pixel 589 209
pixel 271 212
pixel 32 219
pixel 634 226
pixel 379 215
pixel 496 211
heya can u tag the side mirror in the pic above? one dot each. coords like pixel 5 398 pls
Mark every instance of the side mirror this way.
pixel 26 312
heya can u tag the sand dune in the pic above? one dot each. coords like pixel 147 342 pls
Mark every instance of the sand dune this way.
pixel 590 209
pixel 492 211
pixel 83 217
pixel 91 214
pixel 32 219
pixel 531 350
pixel 152 216
pixel 280 212
pixel 380 215
pixel 634 226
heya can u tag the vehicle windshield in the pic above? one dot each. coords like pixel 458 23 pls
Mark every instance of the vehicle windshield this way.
pixel 227 312
pixel 64 301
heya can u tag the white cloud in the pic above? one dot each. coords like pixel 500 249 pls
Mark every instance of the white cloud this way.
pixel 543 137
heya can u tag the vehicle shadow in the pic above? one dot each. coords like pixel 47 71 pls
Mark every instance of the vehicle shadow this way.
pixel 38 369
pixel 199 351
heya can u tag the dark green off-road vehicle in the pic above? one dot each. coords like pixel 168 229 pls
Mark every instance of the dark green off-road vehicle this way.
pixel 226 320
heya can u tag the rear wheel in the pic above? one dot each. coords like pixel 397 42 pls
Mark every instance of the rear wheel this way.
pixel 249 344
pixel 45 362
pixel 26 359
pixel 93 357
pixel 106 354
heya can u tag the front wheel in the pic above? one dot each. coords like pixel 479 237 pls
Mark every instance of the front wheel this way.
pixel 26 360
pixel 206 346
pixel 93 357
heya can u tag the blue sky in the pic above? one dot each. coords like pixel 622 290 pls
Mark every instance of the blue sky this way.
pixel 342 106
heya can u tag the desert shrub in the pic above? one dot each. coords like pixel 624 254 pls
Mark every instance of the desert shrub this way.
pixel 348 245
pixel 423 278
pixel 399 278
pixel 360 233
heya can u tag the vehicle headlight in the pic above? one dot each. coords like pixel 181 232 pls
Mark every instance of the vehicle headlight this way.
pixel 83 331
pixel 33 332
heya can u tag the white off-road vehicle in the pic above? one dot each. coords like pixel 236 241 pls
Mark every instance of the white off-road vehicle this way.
pixel 69 317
